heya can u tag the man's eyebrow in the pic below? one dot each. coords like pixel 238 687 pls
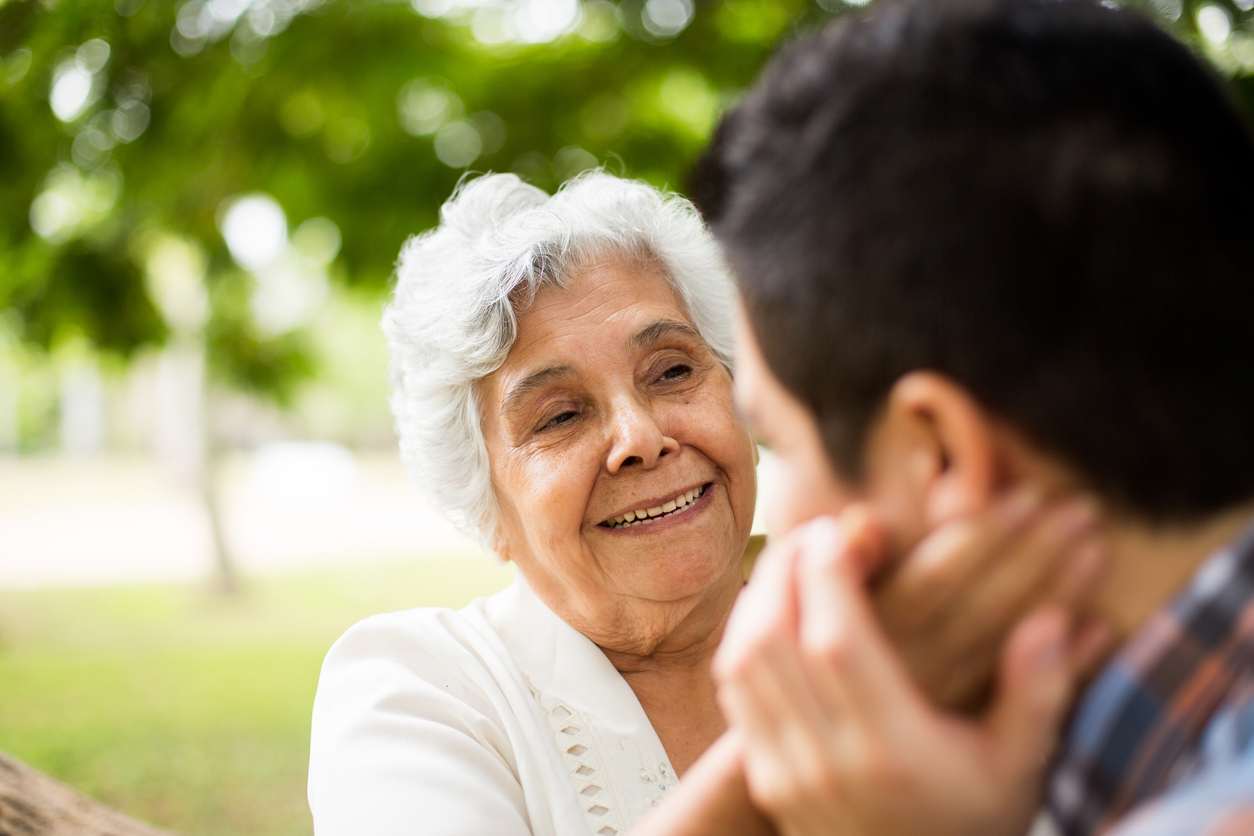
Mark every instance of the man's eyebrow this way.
pixel 662 329
pixel 531 383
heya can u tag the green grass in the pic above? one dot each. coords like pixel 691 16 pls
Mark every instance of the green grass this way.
pixel 188 709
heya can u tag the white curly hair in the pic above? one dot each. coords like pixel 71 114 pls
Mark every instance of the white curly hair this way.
pixel 460 287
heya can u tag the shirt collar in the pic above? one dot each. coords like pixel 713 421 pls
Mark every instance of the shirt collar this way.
pixel 1136 729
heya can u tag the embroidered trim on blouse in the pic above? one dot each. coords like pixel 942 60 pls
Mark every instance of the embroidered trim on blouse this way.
pixel 586 772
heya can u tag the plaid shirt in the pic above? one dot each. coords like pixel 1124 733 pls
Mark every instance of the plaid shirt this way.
pixel 1162 743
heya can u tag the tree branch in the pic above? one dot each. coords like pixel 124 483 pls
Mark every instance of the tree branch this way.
pixel 32 804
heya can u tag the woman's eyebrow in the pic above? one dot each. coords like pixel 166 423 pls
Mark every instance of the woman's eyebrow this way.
pixel 660 330
pixel 519 392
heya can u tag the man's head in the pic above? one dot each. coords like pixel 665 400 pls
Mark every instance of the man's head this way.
pixel 980 238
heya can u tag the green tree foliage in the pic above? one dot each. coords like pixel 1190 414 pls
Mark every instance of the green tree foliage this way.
pixel 129 122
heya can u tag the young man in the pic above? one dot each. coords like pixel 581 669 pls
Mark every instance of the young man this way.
pixel 985 247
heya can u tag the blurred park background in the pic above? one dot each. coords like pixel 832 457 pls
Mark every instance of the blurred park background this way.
pixel 202 202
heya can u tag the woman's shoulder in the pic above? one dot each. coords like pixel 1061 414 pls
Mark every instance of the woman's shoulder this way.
pixel 423 639
pixel 428 665
pixel 412 726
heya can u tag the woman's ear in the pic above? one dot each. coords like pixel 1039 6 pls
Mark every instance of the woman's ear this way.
pixel 500 546
pixel 934 454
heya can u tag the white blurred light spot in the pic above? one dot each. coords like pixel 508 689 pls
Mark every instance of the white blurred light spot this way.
pixel 600 21
pixel 226 11
pixel 667 18
pixel 422 107
pixel 1214 24
pixel 190 23
pixel 130 120
pixel 432 8
pixel 262 21
pixel 295 473
pixel 857 2
pixel 91 148
pixel 175 274
pixel 51 212
pixel 250 22
pixel 73 90
pixel 458 144
pixel 72 202
pixel 493 26
pixel 540 21
pixel 288 292
pixel 1245 5
pixel 82 424
pixel 255 229
pixel 317 240
pixel 92 56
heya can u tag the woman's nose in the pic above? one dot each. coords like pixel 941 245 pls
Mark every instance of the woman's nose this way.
pixel 636 439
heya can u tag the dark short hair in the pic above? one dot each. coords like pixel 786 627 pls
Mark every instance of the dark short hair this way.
pixel 1049 201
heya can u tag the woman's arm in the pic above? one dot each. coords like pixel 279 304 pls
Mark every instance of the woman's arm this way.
pixel 403 744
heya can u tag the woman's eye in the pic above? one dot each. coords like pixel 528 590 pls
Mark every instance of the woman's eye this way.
pixel 676 372
pixel 558 420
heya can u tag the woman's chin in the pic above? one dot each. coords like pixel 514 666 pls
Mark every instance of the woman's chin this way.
pixel 681 567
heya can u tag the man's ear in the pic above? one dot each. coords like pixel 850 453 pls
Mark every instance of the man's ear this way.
pixel 935 452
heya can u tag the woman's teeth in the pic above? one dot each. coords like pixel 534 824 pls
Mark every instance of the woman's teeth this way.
pixel 648 515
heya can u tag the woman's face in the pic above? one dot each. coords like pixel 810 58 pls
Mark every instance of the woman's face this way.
pixel 608 407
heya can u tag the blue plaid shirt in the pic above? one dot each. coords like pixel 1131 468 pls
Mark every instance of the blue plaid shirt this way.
pixel 1162 742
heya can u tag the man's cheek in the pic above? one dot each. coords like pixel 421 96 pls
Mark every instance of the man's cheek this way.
pixel 780 518
pixel 790 503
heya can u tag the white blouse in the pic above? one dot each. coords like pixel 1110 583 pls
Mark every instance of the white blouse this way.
pixel 497 720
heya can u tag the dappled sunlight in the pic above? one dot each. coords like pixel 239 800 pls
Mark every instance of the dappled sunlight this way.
pixel 291 281
pixel 72 202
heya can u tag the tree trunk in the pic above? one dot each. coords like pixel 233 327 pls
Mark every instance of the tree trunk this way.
pixel 32 804
pixel 225 574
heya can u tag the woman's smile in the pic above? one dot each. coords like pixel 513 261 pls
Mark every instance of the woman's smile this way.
pixel 654 516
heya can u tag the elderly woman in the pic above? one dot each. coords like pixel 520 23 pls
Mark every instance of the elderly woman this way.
pixel 561 386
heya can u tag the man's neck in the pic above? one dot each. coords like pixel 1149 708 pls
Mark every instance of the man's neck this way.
pixel 1149 564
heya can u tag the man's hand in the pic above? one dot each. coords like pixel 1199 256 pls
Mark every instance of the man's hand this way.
pixel 948 607
pixel 837 737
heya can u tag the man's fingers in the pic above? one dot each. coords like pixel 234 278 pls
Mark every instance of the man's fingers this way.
pixel 846 656
pixel 765 610
pixel 1089 647
pixel 1024 573
pixel 940 567
pixel 1017 578
pixel 1077 579
pixel 1034 687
